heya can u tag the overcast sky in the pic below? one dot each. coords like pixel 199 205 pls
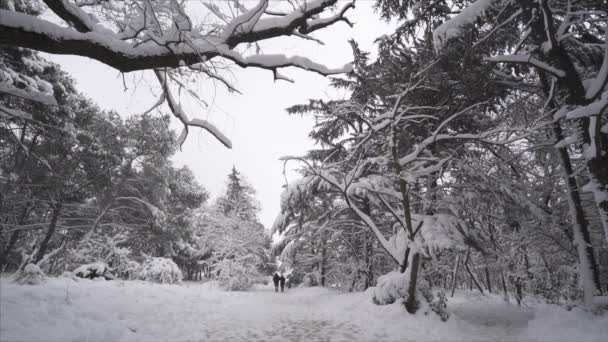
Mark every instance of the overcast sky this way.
pixel 256 121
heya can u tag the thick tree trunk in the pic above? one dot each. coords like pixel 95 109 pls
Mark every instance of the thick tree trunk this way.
pixel 571 92
pixel 589 272
pixel 595 151
pixel 411 304
pixel 49 233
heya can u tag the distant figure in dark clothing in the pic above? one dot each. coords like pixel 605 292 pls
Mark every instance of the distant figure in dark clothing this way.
pixel 276 280
pixel 282 279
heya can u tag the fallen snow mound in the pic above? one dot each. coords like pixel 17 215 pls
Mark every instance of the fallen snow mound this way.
pixel 161 270
pixel 30 275
pixel 391 287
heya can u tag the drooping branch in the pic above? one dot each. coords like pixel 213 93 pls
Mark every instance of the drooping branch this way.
pixel 22 30
pixel 141 41
pixel 181 115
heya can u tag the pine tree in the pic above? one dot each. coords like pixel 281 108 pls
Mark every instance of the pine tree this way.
pixel 239 200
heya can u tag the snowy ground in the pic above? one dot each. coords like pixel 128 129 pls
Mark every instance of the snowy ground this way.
pixel 64 310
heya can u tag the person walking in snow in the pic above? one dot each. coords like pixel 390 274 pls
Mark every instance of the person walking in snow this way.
pixel 275 279
pixel 282 280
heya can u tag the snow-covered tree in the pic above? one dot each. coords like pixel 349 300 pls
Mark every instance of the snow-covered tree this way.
pixel 239 198
pixel 454 164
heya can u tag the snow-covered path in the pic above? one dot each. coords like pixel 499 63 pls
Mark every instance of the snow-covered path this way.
pixel 63 310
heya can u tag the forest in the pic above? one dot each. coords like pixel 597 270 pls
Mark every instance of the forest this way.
pixel 467 164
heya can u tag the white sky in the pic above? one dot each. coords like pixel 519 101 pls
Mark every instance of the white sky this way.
pixel 256 121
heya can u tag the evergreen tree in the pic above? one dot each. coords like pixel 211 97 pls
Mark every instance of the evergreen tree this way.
pixel 239 200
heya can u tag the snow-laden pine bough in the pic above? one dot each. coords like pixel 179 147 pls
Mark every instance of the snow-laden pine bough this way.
pixel 162 36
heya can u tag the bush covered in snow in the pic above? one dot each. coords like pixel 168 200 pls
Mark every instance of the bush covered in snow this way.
pixel 160 270
pixel 390 287
pixel 437 304
pixel 31 274
pixel 311 279
pixel 98 248
pixel 129 270
pixel 94 270
pixel 237 275
pixel 393 286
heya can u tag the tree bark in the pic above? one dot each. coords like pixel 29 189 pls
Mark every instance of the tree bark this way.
pixel 411 304
pixel 574 94
pixel 589 271
pixel 570 91
pixel 49 233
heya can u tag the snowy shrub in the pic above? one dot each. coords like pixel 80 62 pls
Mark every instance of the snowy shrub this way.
pixel 99 248
pixel 129 270
pixel 559 286
pixel 237 275
pixel 160 270
pixel 390 287
pixel 30 275
pixel 437 305
pixel 393 286
pixel 310 279
pixel 94 270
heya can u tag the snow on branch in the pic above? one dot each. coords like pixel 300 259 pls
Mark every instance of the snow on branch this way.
pixel 151 35
pixel 15 113
pixel 72 14
pixel 527 59
pixel 32 95
pixel 275 61
pixel 22 30
pixel 452 27
pixel 599 82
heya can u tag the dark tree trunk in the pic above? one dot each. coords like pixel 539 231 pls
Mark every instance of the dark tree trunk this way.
pixel 504 284
pixel 411 304
pixel 579 222
pixel 570 91
pixel 487 271
pixel 49 233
